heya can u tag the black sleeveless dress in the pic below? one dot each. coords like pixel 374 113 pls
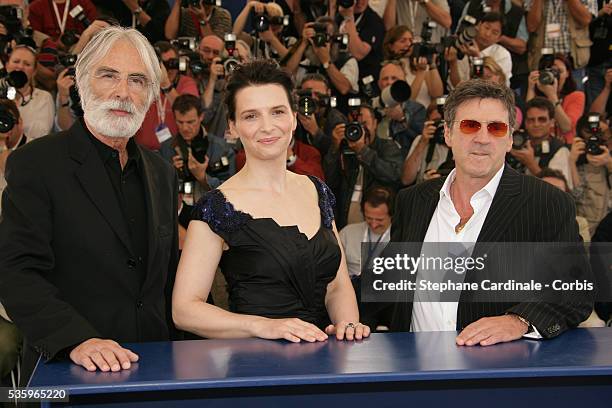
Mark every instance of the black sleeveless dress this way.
pixel 274 271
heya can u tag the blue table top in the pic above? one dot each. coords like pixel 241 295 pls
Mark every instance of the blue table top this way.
pixel 385 357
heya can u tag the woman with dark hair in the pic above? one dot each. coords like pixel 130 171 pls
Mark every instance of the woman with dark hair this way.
pixel 270 230
pixel 422 76
pixel 569 102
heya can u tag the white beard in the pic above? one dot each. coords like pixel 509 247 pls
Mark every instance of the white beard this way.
pixel 98 116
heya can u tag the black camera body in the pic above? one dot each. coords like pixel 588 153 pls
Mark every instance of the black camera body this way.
pixel 67 60
pixel 354 131
pixel 346 3
pixel 308 105
pixel 185 43
pixel 320 38
pixel 595 140
pixel 466 33
pixel 7 120
pixel 438 136
pixel 426 48
pixel 520 138
pixel 546 67
pixel 218 167
pixel 229 62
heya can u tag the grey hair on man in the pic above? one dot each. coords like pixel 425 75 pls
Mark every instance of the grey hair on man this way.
pixel 480 89
pixel 99 46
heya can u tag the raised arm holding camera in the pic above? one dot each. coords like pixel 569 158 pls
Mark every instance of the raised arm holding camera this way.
pixel 197 18
pixel 268 22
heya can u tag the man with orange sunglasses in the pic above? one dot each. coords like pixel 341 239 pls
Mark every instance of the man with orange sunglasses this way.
pixel 482 201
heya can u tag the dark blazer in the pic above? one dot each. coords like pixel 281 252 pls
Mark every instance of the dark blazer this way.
pixel 524 209
pixel 66 264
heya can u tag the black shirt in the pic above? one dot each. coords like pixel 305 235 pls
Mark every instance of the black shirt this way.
pixel 129 191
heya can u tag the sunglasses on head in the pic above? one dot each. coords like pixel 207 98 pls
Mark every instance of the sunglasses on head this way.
pixel 469 126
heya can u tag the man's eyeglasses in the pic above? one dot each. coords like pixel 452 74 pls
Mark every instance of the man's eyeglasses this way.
pixel 469 126
pixel 110 79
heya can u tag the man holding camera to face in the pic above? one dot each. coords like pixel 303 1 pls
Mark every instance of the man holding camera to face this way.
pixel 317 115
pixel 590 164
pixel 357 160
pixel 541 149
pixel 203 161
pixel 197 18
pixel 429 150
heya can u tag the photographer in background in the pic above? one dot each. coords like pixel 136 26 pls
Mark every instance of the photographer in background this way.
pixel 429 150
pixel 514 33
pixel 542 148
pixel 402 117
pixel 366 33
pixel 485 44
pixel 357 160
pixel 203 161
pixel 159 124
pixel 590 166
pixel 326 56
pixel 553 80
pixel 35 105
pixel 197 18
pixel 316 115
pixel 267 20
pixel 422 76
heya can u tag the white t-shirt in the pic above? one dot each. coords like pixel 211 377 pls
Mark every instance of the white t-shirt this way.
pixel 38 114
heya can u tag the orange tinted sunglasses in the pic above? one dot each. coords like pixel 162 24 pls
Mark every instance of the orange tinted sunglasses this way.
pixel 469 126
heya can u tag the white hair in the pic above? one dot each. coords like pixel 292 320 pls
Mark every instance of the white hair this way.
pixel 100 45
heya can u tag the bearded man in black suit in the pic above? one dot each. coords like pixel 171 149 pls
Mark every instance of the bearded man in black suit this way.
pixel 88 233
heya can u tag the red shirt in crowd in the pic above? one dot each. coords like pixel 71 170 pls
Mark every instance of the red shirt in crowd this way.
pixel 43 18
pixel 146 134
pixel 307 162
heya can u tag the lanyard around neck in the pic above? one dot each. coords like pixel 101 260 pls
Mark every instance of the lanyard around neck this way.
pixel 61 23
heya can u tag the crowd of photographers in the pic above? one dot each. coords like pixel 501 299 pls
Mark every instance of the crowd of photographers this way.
pixel 371 77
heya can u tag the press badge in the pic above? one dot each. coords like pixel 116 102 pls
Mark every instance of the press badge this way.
pixel 553 30
pixel 163 133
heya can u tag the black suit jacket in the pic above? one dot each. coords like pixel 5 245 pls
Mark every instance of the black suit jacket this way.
pixel 524 209
pixel 66 262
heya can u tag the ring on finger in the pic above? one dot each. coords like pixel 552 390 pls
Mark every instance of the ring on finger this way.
pixel 350 325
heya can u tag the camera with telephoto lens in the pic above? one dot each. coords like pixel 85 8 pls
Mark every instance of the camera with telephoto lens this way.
pixel 477 67
pixel 346 3
pixel 7 120
pixel 594 142
pixel 466 33
pixel 546 67
pixel 69 38
pixel 11 83
pixel 354 131
pixel 396 93
pixel 230 62
pixel 185 43
pixel 261 22
pixel 426 48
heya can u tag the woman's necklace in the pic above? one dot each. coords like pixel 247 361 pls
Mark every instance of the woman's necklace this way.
pixel 24 102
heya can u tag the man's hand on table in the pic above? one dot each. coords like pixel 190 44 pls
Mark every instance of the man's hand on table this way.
pixel 492 330
pixel 102 354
